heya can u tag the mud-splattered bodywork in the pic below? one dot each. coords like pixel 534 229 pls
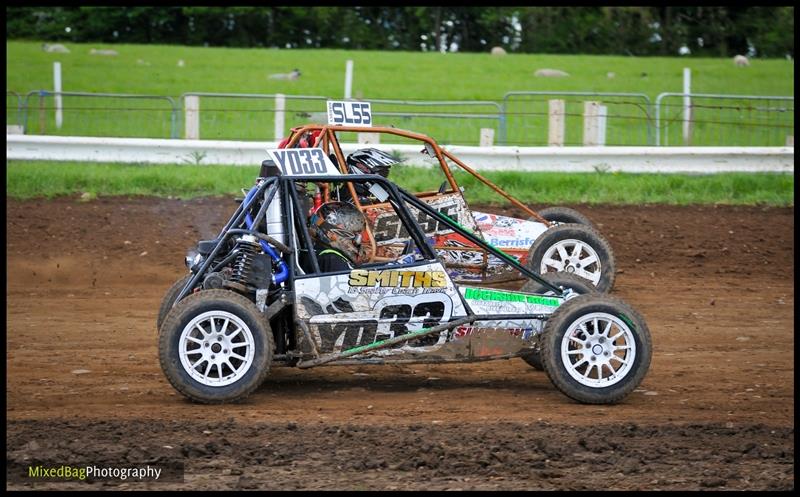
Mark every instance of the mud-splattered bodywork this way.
pixel 365 306
pixel 465 261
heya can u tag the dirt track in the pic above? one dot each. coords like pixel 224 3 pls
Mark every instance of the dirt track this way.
pixel 716 285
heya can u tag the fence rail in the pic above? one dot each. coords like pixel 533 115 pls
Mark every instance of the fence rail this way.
pixel 13 108
pixel 525 118
pixel 629 118
pixel 449 121
pixel 250 116
pixel 100 114
pixel 733 120
pixel 704 160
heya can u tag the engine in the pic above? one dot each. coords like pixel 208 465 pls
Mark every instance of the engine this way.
pixel 246 263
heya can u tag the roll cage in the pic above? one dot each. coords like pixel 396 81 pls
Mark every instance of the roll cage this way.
pixel 295 224
pixel 325 137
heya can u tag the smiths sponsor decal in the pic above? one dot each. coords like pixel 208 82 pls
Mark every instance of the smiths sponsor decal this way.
pixel 496 296
pixel 398 279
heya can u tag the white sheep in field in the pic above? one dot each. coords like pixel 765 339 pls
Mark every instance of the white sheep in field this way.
pixel 54 48
pixel 498 51
pixel 103 51
pixel 741 61
pixel 550 73
pixel 290 76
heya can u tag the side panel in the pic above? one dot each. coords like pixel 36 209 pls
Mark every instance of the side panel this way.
pixel 368 305
pixel 509 234
pixel 490 301
pixel 464 261
pixel 389 231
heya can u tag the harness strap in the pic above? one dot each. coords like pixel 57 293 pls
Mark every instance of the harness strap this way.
pixel 335 252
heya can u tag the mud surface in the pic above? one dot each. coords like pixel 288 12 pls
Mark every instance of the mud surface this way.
pixel 716 410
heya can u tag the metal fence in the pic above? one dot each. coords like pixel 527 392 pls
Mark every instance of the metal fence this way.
pixel 449 122
pixel 246 116
pixel 522 118
pixel 100 114
pixel 253 116
pixel 723 120
pixel 629 117
pixel 13 108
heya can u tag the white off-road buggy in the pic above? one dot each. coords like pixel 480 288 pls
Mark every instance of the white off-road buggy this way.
pixel 255 298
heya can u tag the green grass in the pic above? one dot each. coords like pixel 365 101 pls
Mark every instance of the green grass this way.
pixel 32 179
pixel 37 179
pixel 404 75
pixel 378 75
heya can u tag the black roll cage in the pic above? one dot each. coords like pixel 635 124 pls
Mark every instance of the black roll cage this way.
pixel 289 197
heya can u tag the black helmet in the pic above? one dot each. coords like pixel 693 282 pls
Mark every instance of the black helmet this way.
pixel 370 161
pixel 339 226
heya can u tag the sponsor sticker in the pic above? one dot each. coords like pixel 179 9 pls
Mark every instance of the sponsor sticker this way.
pixel 500 296
pixel 389 278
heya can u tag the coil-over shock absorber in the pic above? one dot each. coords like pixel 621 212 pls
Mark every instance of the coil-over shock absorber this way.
pixel 251 268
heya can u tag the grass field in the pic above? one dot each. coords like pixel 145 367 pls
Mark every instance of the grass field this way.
pixel 401 75
pixel 154 70
pixel 34 179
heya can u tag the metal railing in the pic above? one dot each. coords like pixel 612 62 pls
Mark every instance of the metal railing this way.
pixel 13 108
pixel 523 118
pixel 251 116
pixel 452 122
pixel 100 114
pixel 629 118
pixel 723 120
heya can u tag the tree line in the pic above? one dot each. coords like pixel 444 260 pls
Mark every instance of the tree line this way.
pixel 715 31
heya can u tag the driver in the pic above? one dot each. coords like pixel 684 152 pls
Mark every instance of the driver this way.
pixel 367 161
pixel 336 228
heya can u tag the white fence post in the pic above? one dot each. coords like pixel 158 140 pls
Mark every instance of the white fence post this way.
pixel 369 138
pixel 602 112
pixel 687 106
pixel 555 135
pixel 191 105
pixel 280 115
pixel 590 124
pixel 57 89
pixel 348 80
pixel 487 137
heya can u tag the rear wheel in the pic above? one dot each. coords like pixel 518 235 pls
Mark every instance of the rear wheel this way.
pixel 215 346
pixel 565 280
pixel 577 249
pixel 596 349
pixel 564 215
pixel 579 285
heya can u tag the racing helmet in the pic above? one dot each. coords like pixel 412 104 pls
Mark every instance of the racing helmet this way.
pixel 370 161
pixel 339 226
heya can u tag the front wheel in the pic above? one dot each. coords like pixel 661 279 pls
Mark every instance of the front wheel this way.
pixel 215 346
pixel 596 349
pixel 169 299
pixel 574 248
